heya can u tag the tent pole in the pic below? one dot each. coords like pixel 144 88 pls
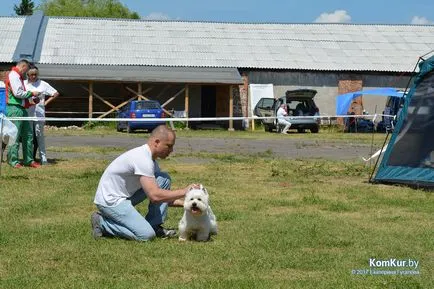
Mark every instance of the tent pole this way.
pixel 373 131
pixel 376 163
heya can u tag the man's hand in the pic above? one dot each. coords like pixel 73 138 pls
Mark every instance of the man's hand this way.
pixel 180 202
pixel 34 100
pixel 177 203
pixel 192 186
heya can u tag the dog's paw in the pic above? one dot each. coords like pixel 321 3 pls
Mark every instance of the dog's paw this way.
pixel 181 239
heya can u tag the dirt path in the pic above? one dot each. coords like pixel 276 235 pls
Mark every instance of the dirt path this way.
pixel 286 148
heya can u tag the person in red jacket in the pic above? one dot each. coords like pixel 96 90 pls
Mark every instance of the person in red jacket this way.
pixel 17 100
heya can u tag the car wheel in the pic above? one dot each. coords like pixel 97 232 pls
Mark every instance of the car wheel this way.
pixel 314 130
pixel 129 129
pixel 268 128
pixel 118 127
pixel 301 130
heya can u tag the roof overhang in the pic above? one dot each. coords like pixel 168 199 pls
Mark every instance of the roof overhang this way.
pixel 162 74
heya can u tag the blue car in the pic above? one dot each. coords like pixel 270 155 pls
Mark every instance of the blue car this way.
pixel 140 109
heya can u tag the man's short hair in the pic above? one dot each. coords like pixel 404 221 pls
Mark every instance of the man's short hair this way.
pixel 33 69
pixel 162 132
pixel 22 61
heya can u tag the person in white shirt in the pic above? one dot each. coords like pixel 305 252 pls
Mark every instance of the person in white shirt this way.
pixel 34 83
pixel 130 179
pixel 281 121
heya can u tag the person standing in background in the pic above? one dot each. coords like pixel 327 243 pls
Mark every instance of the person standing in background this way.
pixel 34 83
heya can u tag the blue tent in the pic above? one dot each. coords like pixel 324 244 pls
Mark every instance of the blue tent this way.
pixel 343 101
pixel 409 158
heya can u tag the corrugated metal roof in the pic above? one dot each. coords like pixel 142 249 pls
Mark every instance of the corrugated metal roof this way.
pixel 141 73
pixel 10 31
pixel 332 47
pixel 242 45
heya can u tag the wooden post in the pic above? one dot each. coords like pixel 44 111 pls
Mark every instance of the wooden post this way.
pixel 172 98
pixel 186 101
pixel 97 96
pixel 90 99
pixel 231 108
pixel 139 89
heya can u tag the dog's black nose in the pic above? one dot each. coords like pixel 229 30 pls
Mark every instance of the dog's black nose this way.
pixel 194 204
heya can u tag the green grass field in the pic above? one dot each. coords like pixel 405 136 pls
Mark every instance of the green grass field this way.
pixel 327 133
pixel 282 224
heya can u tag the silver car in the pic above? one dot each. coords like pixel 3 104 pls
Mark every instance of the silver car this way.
pixel 299 103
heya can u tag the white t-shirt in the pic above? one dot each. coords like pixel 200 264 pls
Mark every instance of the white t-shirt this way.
pixel 44 89
pixel 281 113
pixel 121 179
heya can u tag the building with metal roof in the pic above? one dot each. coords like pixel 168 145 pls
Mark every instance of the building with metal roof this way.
pixel 332 58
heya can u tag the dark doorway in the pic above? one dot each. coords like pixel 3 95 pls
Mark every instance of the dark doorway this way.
pixel 208 101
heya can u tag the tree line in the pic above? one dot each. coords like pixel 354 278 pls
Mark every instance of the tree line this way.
pixel 77 8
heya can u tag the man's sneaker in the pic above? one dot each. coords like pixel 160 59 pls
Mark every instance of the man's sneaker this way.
pixel 96 225
pixel 18 166
pixel 163 233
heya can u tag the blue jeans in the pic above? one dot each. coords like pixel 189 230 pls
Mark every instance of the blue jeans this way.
pixel 126 222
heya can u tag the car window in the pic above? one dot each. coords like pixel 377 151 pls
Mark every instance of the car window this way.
pixel 265 103
pixel 147 105
pixel 298 106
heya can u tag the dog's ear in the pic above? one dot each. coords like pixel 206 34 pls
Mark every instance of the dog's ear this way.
pixel 203 189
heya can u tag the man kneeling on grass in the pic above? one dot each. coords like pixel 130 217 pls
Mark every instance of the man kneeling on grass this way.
pixel 127 181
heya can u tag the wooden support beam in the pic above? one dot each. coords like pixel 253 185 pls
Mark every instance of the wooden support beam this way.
pixel 186 101
pixel 163 91
pixel 139 95
pixel 139 89
pixel 173 97
pixel 231 108
pixel 117 107
pixel 90 98
pixel 169 100
pixel 99 97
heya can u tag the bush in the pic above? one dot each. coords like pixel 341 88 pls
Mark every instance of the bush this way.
pixel 178 124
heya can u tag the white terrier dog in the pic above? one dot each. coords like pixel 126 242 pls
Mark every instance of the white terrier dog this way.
pixel 198 221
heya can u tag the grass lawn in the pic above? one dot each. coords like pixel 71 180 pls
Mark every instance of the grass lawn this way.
pixel 326 133
pixel 282 224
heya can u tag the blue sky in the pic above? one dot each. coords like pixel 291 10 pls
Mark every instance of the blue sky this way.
pixel 283 11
